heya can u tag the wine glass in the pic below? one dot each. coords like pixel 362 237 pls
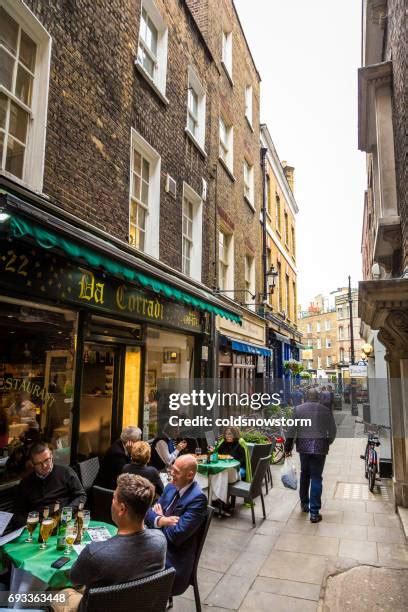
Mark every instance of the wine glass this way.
pixel 169 472
pixel 46 528
pixel 70 537
pixel 32 522
pixel 197 452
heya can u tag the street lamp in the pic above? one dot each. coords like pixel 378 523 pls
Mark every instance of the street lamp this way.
pixel 271 277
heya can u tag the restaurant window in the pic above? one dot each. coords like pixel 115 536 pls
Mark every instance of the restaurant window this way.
pixel 170 356
pixel 24 74
pixel 36 383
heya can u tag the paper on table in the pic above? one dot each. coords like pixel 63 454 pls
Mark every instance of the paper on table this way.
pixel 98 534
pixel 78 548
pixel 5 518
pixel 11 536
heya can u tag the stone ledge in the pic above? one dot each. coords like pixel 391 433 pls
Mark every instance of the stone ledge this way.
pixel 403 514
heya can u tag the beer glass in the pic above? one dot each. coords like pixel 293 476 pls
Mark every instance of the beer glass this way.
pixel 70 536
pixel 86 519
pixel 46 528
pixel 67 513
pixel 32 521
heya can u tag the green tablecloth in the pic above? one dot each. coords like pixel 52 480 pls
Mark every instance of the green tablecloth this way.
pixel 29 557
pixel 208 469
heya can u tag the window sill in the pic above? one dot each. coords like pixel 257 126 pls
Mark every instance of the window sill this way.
pixel 250 204
pixel 195 142
pixel 249 124
pixel 227 170
pixel 227 72
pixel 152 84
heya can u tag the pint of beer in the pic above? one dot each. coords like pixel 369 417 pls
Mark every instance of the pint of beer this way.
pixel 47 526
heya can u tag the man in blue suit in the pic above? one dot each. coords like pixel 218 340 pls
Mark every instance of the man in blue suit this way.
pixel 179 513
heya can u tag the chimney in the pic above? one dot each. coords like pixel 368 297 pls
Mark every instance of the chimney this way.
pixel 290 175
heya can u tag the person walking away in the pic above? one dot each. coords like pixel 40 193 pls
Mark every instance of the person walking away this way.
pixel 314 432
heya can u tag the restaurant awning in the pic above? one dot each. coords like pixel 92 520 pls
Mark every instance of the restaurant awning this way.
pixel 51 232
pixel 253 349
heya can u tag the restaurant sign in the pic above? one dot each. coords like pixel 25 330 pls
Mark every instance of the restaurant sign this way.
pixel 32 271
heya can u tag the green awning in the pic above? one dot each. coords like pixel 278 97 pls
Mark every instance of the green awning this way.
pixel 48 239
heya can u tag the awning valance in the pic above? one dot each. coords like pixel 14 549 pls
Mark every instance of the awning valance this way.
pixel 48 239
pixel 253 349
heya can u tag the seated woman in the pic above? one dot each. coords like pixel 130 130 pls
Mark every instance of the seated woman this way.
pixel 140 459
pixel 232 444
pixel 164 450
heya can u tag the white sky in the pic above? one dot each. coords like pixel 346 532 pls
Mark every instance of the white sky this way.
pixel 307 53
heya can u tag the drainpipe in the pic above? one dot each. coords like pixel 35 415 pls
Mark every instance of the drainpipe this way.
pixel 264 150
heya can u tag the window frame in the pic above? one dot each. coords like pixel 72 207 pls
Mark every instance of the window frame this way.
pixel 226 51
pixel 34 155
pixel 152 231
pixel 190 196
pixel 227 262
pixel 227 146
pixel 249 278
pixel 194 84
pixel 249 187
pixel 158 80
pixel 249 110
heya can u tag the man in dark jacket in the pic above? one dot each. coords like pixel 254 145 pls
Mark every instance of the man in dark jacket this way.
pixel 47 484
pixel 116 457
pixel 312 444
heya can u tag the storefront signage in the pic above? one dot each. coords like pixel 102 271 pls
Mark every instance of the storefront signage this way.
pixel 36 273
pixel 26 385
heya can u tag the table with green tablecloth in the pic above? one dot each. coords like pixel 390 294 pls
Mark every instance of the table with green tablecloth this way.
pixel 219 474
pixel 32 566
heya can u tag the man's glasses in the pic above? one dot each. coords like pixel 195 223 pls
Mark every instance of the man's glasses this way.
pixel 44 463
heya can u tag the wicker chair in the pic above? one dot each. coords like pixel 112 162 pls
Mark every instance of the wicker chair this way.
pixel 88 471
pixel 201 540
pixel 101 504
pixel 251 490
pixel 259 451
pixel 148 594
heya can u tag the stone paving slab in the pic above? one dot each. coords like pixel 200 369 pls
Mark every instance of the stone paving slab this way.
pixel 301 567
pixel 265 602
pixel 291 588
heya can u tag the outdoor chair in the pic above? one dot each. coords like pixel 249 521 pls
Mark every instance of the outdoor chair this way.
pixel 88 471
pixel 259 451
pixel 251 490
pixel 148 594
pixel 101 504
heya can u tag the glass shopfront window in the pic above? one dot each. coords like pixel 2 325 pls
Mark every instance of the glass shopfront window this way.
pixel 37 353
pixel 170 356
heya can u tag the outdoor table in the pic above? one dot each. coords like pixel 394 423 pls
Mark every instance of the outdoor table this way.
pixel 32 569
pixel 219 473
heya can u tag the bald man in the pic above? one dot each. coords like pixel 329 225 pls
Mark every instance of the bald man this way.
pixel 179 513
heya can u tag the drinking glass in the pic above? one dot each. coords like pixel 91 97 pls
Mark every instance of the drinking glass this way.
pixel 70 536
pixel 169 472
pixel 197 452
pixel 86 517
pixel 67 513
pixel 46 528
pixel 32 522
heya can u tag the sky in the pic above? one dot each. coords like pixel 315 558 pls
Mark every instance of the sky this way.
pixel 308 53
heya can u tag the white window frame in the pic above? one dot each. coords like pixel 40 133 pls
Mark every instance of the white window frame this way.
pixel 196 202
pixel 226 51
pixel 341 332
pixel 308 328
pixel 228 260
pixel 227 146
pixel 328 361
pixel 328 343
pixel 248 104
pixel 249 275
pixel 195 85
pixel 318 327
pixel 33 169
pixel 160 70
pixel 319 362
pixel 152 232
pixel 249 183
pixel 318 343
pixel 327 325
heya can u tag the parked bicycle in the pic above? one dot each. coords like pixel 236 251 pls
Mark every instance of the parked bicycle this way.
pixel 371 456
pixel 277 436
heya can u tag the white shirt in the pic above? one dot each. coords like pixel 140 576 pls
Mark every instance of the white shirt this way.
pixel 163 452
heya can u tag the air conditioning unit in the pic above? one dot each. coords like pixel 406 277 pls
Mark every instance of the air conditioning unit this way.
pixel 204 191
pixel 171 186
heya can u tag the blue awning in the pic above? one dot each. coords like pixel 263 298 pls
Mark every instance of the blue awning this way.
pixel 245 347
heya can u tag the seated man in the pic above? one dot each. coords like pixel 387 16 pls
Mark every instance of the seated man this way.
pixel 47 484
pixel 116 457
pixel 135 552
pixel 179 513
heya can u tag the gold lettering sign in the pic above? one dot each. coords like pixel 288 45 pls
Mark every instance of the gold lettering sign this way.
pixel 89 289
pixel 130 301
pixel 36 392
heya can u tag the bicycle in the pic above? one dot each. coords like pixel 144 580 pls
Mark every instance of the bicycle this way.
pixel 278 453
pixel 371 456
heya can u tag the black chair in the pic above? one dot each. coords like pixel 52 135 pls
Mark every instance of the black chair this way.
pixel 251 490
pixel 101 504
pixel 258 452
pixel 148 594
pixel 200 543
pixel 88 471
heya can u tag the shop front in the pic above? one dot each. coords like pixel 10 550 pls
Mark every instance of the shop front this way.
pixel 85 339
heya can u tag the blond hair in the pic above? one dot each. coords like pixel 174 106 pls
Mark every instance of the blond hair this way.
pixel 141 453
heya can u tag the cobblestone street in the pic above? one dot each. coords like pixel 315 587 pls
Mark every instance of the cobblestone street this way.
pixel 286 563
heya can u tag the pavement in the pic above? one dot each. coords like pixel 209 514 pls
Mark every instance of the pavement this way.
pixel 356 559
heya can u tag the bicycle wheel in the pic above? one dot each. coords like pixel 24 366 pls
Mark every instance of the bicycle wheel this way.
pixel 371 477
pixel 278 454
